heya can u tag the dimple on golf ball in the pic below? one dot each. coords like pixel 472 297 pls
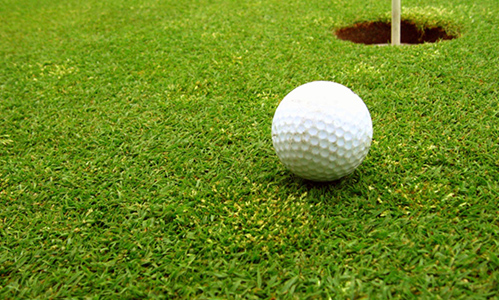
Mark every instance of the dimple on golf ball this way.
pixel 322 131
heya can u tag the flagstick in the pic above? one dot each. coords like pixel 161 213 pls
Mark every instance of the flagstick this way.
pixel 395 22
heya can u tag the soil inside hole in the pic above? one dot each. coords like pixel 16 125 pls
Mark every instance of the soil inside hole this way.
pixel 378 32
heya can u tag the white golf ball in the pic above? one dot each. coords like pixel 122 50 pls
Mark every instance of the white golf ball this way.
pixel 322 131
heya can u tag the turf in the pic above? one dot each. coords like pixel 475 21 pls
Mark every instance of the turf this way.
pixel 136 159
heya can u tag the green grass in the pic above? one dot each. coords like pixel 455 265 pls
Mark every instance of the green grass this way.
pixel 136 159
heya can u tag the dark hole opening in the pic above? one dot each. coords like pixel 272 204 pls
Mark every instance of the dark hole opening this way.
pixel 379 32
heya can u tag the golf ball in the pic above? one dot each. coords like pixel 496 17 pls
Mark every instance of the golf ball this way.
pixel 322 131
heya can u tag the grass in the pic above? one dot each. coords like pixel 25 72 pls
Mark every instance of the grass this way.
pixel 136 159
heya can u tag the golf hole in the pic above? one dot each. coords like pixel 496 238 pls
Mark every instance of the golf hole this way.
pixel 379 33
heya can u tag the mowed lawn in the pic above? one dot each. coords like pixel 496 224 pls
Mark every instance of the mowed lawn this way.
pixel 136 158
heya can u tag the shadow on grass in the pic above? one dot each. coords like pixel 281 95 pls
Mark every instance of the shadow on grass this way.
pixel 349 189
